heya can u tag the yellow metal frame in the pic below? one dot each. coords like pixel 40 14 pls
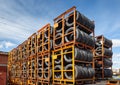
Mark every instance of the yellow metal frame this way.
pixel 64 80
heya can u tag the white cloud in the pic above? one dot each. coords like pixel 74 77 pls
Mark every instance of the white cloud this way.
pixel 1 46
pixel 16 23
pixel 6 44
pixel 116 60
pixel 116 55
pixel 116 42
pixel 9 44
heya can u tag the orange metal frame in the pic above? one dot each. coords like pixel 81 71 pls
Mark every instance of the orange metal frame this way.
pixel 24 50
pixel 40 38
pixel 32 45
pixel 24 61
pixel 63 16
pixel 41 54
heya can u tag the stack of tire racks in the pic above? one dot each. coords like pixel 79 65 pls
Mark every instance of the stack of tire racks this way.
pixel 103 58
pixel 18 70
pixel 44 47
pixel 11 68
pixel 14 71
pixel 31 59
pixel 74 42
pixel 24 64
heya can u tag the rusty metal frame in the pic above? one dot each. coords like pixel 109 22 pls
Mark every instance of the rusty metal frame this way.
pixel 101 57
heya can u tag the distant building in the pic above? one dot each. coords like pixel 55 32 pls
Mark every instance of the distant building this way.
pixel 3 67
pixel 116 71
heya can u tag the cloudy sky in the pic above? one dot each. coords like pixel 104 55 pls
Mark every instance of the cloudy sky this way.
pixel 20 18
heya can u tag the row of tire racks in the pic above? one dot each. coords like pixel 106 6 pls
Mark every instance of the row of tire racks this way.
pixel 103 58
pixel 68 50
pixel 29 63
pixel 74 42
pixel 14 66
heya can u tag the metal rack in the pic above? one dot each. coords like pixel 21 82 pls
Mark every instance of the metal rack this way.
pixel 31 58
pixel 58 55
pixel 32 45
pixel 9 68
pixel 14 66
pixel 44 68
pixel 24 64
pixel 100 58
pixel 61 20
pixel 31 82
pixel 32 68
pixel 24 49
pixel 43 58
pixel 44 47
pixel 24 72
pixel 23 60
pixel 44 39
pixel 62 45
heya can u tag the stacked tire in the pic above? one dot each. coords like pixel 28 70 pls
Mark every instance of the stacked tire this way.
pixel 104 63
pixel 83 36
pixel 80 72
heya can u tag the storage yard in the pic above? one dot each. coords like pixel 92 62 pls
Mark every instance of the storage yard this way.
pixel 67 53
pixel 59 42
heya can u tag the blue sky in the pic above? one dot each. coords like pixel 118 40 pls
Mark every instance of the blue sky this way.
pixel 20 18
